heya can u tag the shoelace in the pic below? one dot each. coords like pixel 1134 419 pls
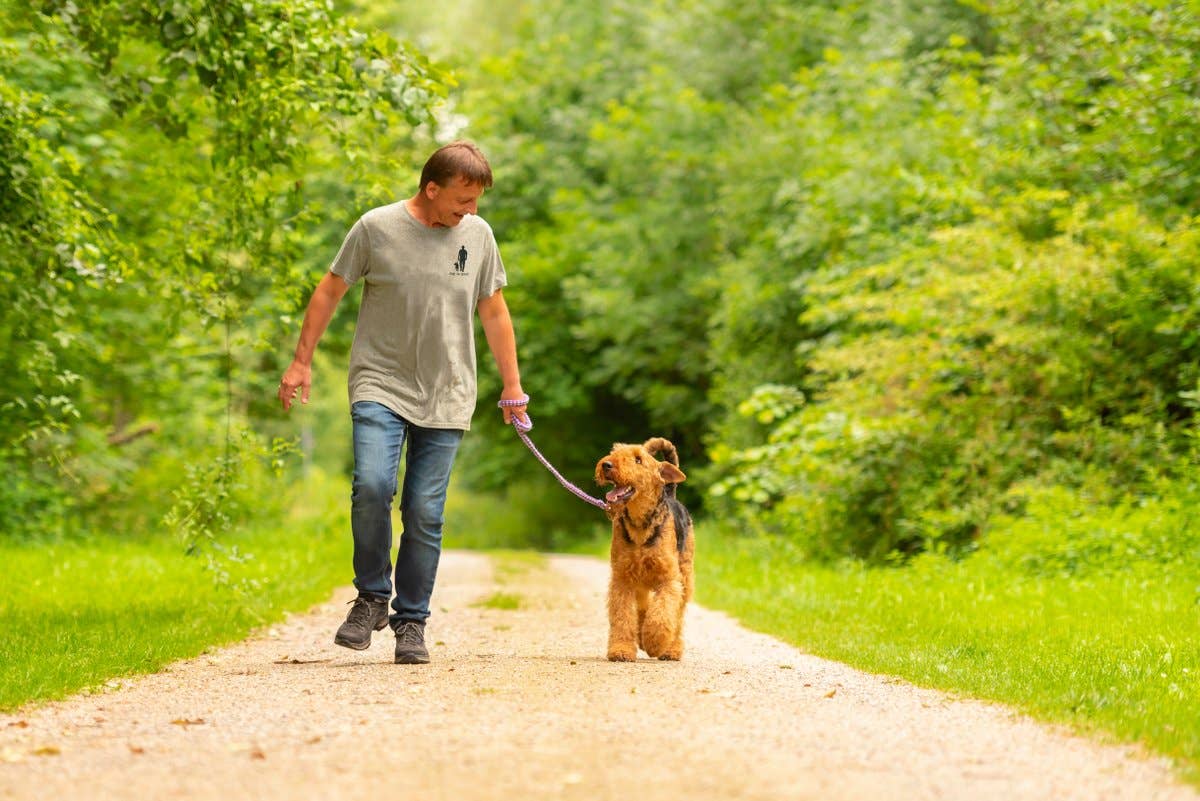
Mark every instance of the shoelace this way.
pixel 410 634
pixel 362 608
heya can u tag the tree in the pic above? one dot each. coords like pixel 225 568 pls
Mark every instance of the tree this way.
pixel 162 168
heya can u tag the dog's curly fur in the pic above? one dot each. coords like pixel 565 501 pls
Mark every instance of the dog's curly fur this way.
pixel 653 546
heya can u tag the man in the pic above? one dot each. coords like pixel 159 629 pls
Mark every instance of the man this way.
pixel 428 264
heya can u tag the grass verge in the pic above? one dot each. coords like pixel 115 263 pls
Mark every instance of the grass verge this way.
pixel 82 612
pixel 1116 657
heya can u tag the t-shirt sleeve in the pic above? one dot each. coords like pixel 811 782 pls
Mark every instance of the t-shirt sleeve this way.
pixel 354 258
pixel 491 272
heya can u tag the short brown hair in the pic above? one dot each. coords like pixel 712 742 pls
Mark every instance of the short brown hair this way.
pixel 457 159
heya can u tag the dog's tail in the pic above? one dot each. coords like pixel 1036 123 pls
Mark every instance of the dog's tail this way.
pixel 657 445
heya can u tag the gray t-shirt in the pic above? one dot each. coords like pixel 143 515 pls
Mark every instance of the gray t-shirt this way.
pixel 414 344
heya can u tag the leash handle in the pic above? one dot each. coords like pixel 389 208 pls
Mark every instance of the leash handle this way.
pixel 523 428
pixel 517 424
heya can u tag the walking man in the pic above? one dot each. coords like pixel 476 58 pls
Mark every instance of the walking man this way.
pixel 427 264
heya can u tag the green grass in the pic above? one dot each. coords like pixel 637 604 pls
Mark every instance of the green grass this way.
pixel 500 600
pixel 1116 656
pixel 81 612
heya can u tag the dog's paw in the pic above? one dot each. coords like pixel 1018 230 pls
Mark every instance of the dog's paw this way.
pixel 622 656
pixel 657 642
pixel 672 656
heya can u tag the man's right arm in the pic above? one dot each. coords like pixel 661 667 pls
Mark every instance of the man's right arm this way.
pixel 321 306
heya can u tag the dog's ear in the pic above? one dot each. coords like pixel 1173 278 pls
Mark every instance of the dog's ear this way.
pixel 657 445
pixel 670 473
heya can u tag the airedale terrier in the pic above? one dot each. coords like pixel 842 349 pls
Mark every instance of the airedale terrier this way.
pixel 653 546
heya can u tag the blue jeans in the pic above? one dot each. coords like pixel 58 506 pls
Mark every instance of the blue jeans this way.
pixel 379 436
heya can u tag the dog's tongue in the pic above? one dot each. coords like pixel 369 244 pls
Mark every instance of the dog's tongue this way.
pixel 618 494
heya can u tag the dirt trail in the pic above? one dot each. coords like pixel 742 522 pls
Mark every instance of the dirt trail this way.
pixel 522 704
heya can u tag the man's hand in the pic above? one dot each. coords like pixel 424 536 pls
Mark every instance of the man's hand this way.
pixel 517 410
pixel 320 310
pixel 297 377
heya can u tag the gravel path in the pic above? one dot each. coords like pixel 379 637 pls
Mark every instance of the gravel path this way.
pixel 522 704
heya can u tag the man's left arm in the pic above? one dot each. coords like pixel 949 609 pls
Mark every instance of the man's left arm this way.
pixel 498 328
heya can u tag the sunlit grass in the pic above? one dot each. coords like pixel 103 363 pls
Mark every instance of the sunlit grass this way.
pixel 82 612
pixel 500 600
pixel 1113 656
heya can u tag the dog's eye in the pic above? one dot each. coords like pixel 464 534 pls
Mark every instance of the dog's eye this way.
pixel 637 460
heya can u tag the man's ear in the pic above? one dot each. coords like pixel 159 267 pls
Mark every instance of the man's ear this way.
pixel 431 190
pixel 671 474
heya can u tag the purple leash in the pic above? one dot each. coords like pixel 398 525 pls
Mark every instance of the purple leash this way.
pixel 522 429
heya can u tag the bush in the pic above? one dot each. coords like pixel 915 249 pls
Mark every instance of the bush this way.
pixel 1062 534
pixel 973 365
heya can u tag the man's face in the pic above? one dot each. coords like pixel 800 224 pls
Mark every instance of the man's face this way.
pixel 449 204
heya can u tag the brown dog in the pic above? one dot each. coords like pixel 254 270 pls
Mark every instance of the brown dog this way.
pixel 652 551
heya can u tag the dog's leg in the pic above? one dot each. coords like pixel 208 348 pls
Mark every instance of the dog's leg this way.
pixel 660 632
pixel 675 651
pixel 643 603
pixel 622 624
pixel 686 568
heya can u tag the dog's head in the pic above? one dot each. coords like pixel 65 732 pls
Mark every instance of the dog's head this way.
pixel 634 472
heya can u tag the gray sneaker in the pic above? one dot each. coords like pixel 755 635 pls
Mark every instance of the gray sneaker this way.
pixel 367 615
pixel 410 644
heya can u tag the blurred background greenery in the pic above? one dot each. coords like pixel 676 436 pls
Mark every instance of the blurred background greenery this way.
pixel 896 277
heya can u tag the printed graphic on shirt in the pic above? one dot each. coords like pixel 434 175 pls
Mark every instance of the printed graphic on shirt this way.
pixel 460 266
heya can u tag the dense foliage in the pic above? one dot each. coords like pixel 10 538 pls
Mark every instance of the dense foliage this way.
pixel 162 167
pixel 892 269
pixel 895 276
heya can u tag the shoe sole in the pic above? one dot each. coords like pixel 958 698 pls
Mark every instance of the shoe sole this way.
pixel 412 659
pixel 356 646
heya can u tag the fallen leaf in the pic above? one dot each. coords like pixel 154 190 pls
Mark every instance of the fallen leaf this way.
pixel 136 749
pixel 188 721
pixel 47 750
pixel 20 724
pixel 257 753
pixel 831 693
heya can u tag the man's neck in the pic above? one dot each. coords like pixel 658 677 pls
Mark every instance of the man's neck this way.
pixel 420 212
